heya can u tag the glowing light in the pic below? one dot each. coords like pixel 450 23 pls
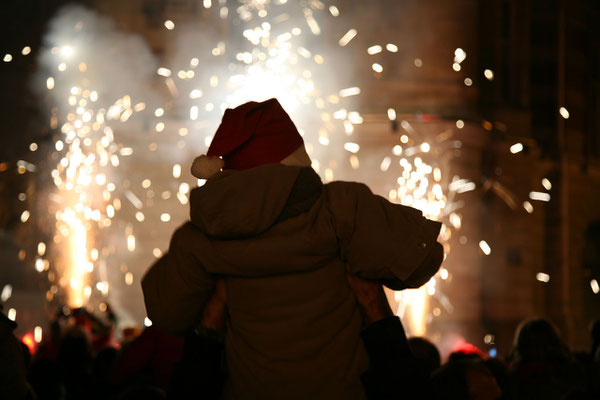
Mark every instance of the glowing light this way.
pixel 12 314
pixel 26 50
pixel 595 286
pixel 25 216
pixel 542 277
pixel 7 58
pixel 444 274
pixel 516 148
pixel 147 322
pixel 334 11
pixel 528 207
pixel 456 67
pixel 485 247
pixel 66 51
pixel 76 269
pixel 156 252
pixel 165 217
pixel 377 68
pixel 539 196
pixel 489 74
pixel 461 185
pixel 425 147
pixel 418 62
pixel 459 55
pixel 414 302
pixel 103 287
pixel 39 264
pixel 37 334
pixel 564 113
pixel 460 124
pixel 6 292
pixel 130 242
pixel 391 114
pixel 170 25
pixel 355 118
pixel 468 82
pixel 354 162
pixel 128 278
pixel 195 94
pixel 29 342
pixel 385 164
pixel 194 113
pixel 392 48
pixel 164 72
pixel 184 188
pixel 351 91
pixel 547 184
pixel 351 147
pixel 176 171
pixel 50 83
pixel 374 49
pixel 455 220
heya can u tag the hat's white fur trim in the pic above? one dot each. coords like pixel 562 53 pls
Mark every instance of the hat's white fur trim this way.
pixel 205 167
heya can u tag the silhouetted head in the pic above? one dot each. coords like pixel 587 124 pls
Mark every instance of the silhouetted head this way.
pixel 537 340
pixel 426 353
pixel 464 379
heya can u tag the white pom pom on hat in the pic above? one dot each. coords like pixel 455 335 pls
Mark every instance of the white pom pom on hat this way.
pixel 205 167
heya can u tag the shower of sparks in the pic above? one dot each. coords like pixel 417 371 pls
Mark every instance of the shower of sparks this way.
pixel 273 58
pixel 87 154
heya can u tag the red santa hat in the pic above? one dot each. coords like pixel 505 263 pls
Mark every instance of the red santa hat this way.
pixel 250 135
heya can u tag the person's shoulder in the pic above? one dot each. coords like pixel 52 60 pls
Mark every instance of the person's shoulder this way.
pixel 346 187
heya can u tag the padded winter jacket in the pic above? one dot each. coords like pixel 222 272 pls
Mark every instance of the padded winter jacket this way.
pixel 283 241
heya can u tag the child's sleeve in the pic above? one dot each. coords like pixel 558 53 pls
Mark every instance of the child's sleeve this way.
pixel 382 241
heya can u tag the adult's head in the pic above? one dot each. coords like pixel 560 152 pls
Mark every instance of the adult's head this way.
pixel 251 135
pixel 427 355
pixel 537 340
pixel 466 379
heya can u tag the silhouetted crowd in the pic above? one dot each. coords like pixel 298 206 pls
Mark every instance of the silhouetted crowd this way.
pixel 78 359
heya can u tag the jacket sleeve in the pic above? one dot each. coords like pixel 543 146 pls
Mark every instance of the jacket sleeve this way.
pixel 177 286
pixel 382 241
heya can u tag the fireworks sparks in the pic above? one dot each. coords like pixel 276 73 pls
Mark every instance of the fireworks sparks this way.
pixel 485 247
pixel 516 148
pixel 539 196
pixel 99 208
pixel 595 286
pixel 542 277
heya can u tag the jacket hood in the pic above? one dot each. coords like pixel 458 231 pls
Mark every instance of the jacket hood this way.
pixel 235 205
